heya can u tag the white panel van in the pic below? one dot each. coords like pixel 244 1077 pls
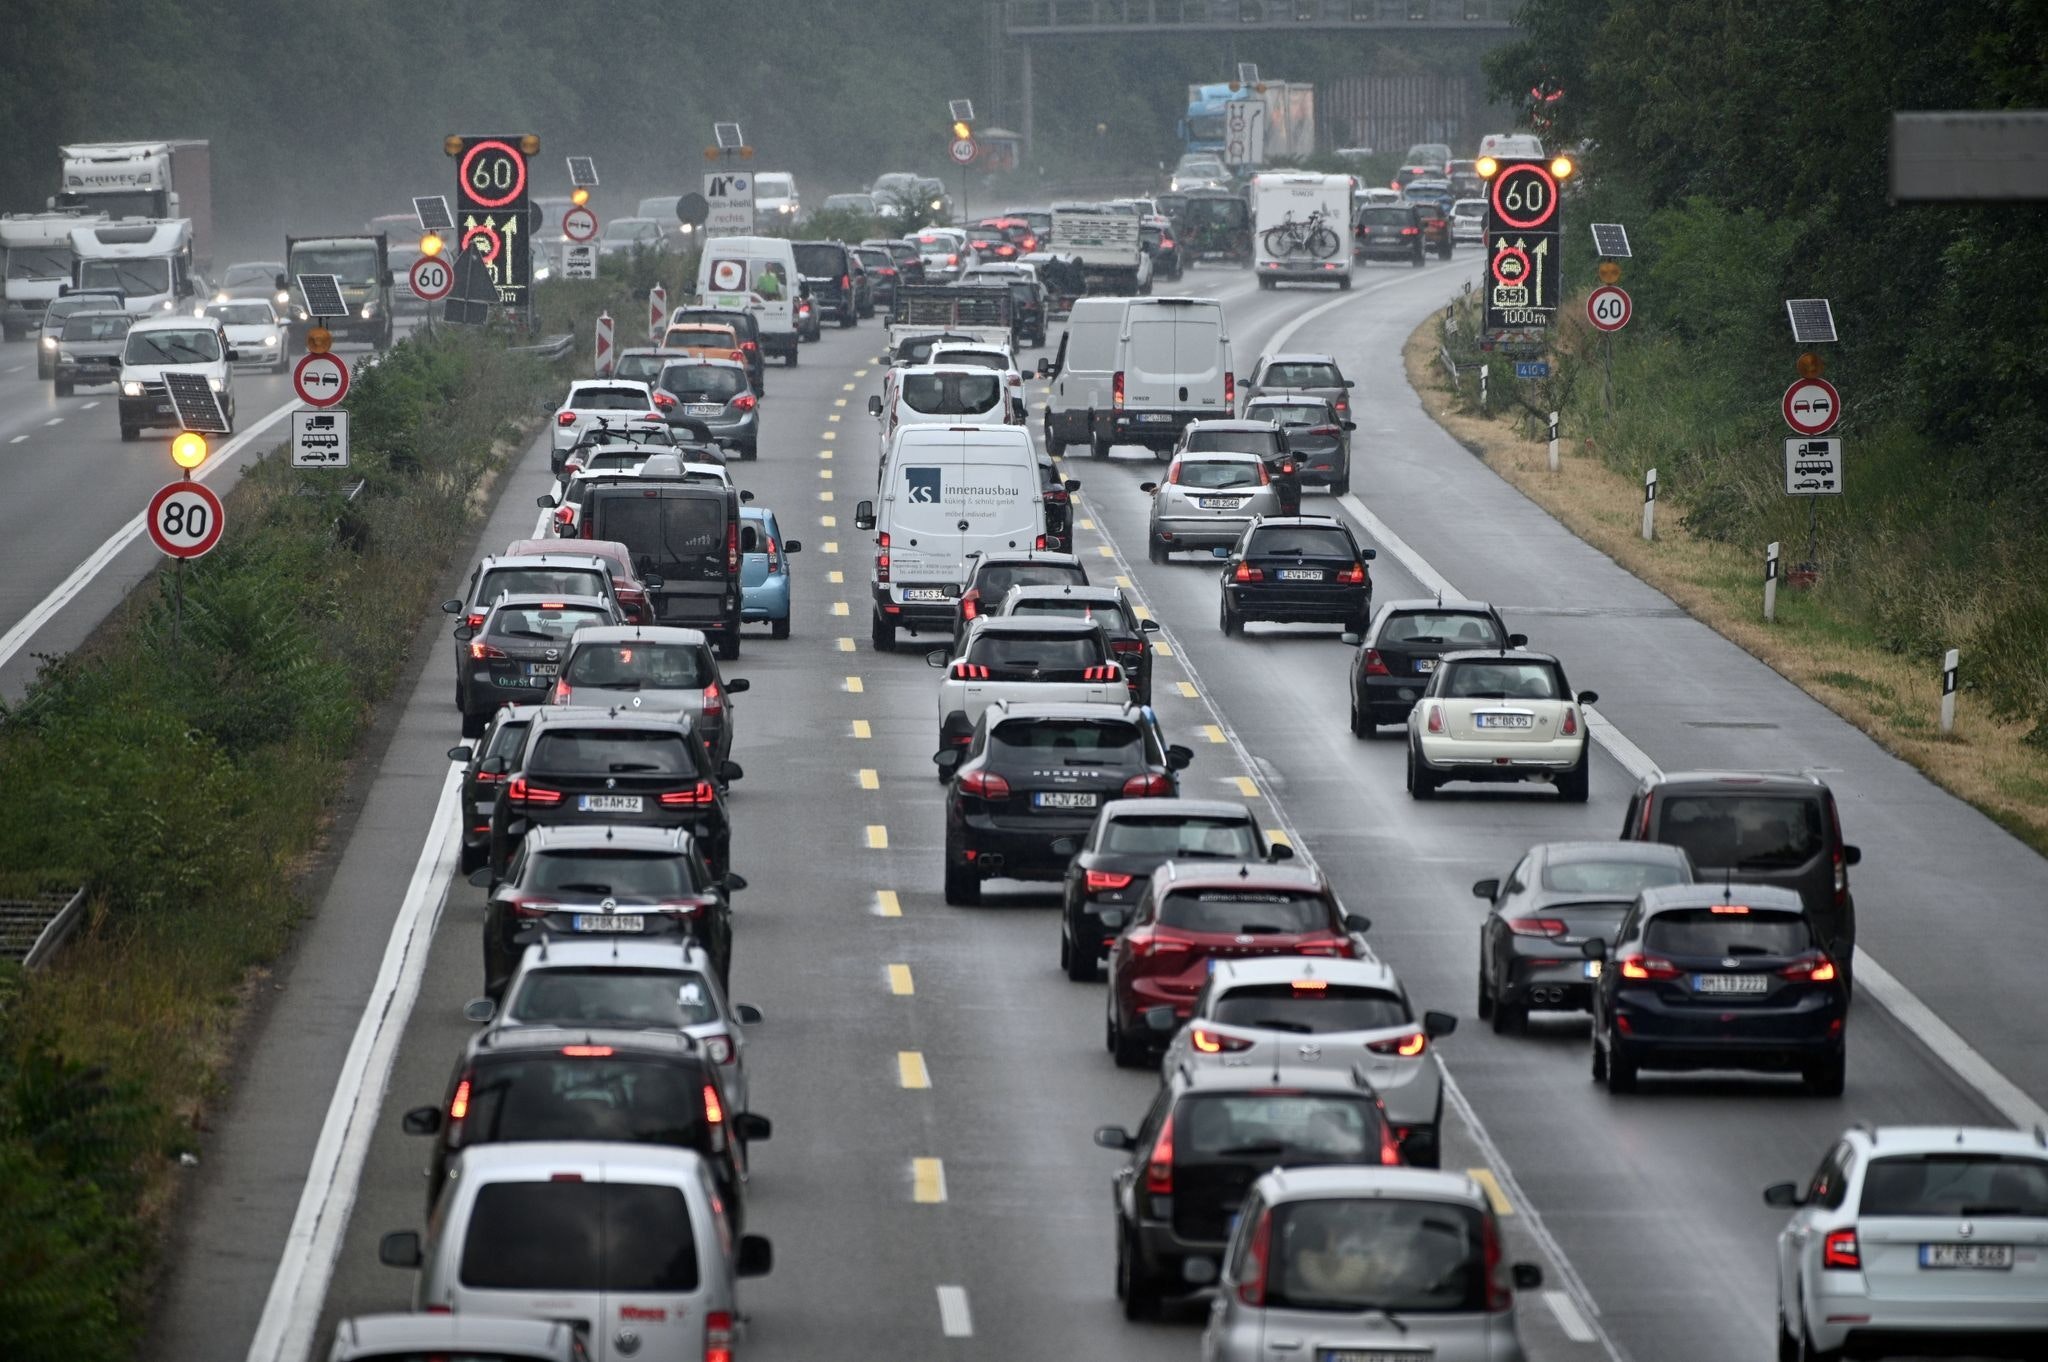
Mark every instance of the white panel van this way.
pixel 1077 402
pixel 1173 366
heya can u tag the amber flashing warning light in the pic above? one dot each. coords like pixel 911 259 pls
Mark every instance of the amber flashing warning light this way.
pixel 1610 272
pixel 1810 365
pixel 188 450
pixel 319 340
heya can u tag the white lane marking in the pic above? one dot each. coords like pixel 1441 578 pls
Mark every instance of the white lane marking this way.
pixel 17 439
pixel 954 1319
pixel 292 1311
pixel 1278 340
pixel 16 369
pixel 54 421
pixel 1568 1317
pixel 81 576
pixel 90 405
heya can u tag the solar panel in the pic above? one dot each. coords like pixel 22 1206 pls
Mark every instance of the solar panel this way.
pixel 1813 321
pixel 197 405
pixel 963 110
pixel 433 214
pixel 582 172
pixel 1611 240
pixel 728 136
pixel 322 293
pixel 1247 73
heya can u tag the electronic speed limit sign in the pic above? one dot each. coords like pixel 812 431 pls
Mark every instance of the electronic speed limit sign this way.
pixel 185 519
pixel 431 278
pixel 1608 307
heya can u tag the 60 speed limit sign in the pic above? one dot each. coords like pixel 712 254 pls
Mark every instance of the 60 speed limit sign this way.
pixel 185 519
pixel 1608 308
pixel 431 278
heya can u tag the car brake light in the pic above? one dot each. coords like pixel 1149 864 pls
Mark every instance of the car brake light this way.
pixel 1102 881
pixel 750 346
pixel 970 671
pixel 718 1336
pixel 1154 786
pixel 1499 1294
pixel 984 785
pixel 1643 825
pixel 744 402
pixel 882 556
pixel 714 1110
pixel 1338 947
pixel 1570 727
pixel 1116 390
pixel 475 619
pixel 1353 575
pixel 1410 231
pixel 737 356
pixel 1840 1251
pixel 1436 719
pixel 565 515
pixel 1815 968
pixel 1265 474
pixel 565 418
pixel 1148 941
pixel 526 905
pixel 774 555
pixel 458 1105
pixel 563 690
pixel 1159 1168
pixel 1103 672
pixel 483 651
pixel 1639 966
pixel 1326 430
pixel 714 699
pixel 571 467
pixel 970 604
pixel 1212 1043
pixel 732 547
pixel 846 283
pixel 1229 391
pixel 1839 859
pixel 1133 646
pixel 522 791
pixel 1536 926
pixel 1252 1290
pixel 1343 407
pixel 1375 665
pixel 1167 243
pixel 1247 573
pixel 664 400
pixel 703 792
pixel 1039 543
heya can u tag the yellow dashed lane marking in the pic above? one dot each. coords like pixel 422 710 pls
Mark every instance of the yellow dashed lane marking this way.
pixel 854 686
pixel 1277 837
pixel 835 576
pixel 831 546
pixel 842 608
pixel 910 1070
pixel 1162 648
pixel 1187 689
pixel 1246 786
pixel 869 779
pixel 887 904
pixel 829 522
pixel 861 730
pixel 927 1181
pixel 860 373
pixel 825 474
pixel 1484 1177
pixel 845 645
pixel 830 434
pixel 878 837
pixel 846 387
pixel 831 416
pixel 1124 582
pixel 899 981
pixel 838 401
pixel 1213 733
pixel 1105 550
pixel 1141 612
pixel 825 495
pixel 824 453
pixel 1085 523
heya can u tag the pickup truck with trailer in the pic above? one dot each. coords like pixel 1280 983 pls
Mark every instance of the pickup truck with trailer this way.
pixel 982 314
pixel 1106 242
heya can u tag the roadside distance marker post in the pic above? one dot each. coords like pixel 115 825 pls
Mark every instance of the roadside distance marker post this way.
pixel 1650 504
pixel 1948 690
pixel 601 347
pixel 1771 582
pixel 431 278
pixel 320 380
pixel 1553 442
pixel 657 309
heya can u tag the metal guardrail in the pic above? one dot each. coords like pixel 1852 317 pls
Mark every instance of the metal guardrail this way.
pixel 1030 18
pixel 553 349
pixel 32 930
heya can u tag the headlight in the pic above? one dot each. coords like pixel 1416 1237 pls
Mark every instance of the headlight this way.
pixel 368 308
pixel 131 389
pixel 284 296
pixel 216 385
pixel 270 340
pixel 170 304
pixel 220 297
pixel 49 342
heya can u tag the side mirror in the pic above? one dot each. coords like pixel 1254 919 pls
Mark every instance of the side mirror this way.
pixel 1593 948
pixel 1368 554
pixel 1486 889
pixel 282 282
pixel 479 1010
pixel 1351 638
pixel 462 754
pixel 1357 922
pixel 1148 487
pixel 463 633
pixel 423 1121
pixel 938 657
pixel 948 760
pixel 756 1257
pixel 481 877
pixel 746 496
pixel 1435 1024
pixel 1528 1276
pixel 1518 640
pixel 1280 851
pixel 1351 425
pixel 1044 369
pixel 748 1014
pixel 400 1249
pixel 1115 1137
pixel 1072 484
pixel 864 515
pixel 1783 1194
pixel 1852 855
pixel 451 607
pixel 1350 382
pixel 493 766
pixel 793 546
pixel 735 883
pixel 739 685
pixel 874 404
pixel 649 582
pixel 750 1127
pixel 1160 1019
pixel 233 354
pixel 1589 697
pixel 1148 626
pixel 729 771
pixel 387 279
pixel 1179 758
pixel 1220 551
pixel 546 501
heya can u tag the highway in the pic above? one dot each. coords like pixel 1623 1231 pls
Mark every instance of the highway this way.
pixel 1643 1211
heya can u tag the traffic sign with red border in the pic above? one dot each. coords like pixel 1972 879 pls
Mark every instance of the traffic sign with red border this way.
pixel 1519 275
pixel 962 151
pixel 431 278
pixel 314 375
pixel 519 178
pixel 1519 170
pixel 1601 306
pixel 185 519
pixel 579 224
pixel 1812 406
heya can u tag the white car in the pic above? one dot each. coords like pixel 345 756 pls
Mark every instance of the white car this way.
pixel 775 197
pixel 997 357
pixel 157 345
pixel 591 399
pixel 1344 1014
pixel 1506 715
pixel 1035 658
pixel 1468 221
pixel 1917 1239
pixel 255 331
pixel 944 251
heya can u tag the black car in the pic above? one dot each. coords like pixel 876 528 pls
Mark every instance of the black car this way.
pixel 1026 788
pixel 1759 828
pixel 991 575
pixel 656 1086
pixel 516 652
pixel 606 879
pixel 1058 495
pixel 501 738
pixel 1559 896
pixel 1397 654
pixel 595 766
pixel 1209 1135
pixel 1388 231
pixel 1718 976
pixel 918 349
pixel 909 260
pixel 1318 439
pixel 1132 838
pixel 685 534
pixel 882 273
pixel 1107 606
pixel 556 576
pixel 827 270
pixel 1297 569
pixel 744 324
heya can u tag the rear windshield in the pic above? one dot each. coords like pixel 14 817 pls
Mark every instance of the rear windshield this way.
pixel 1617 879
pixel 1292 413
pixel 632 665
pixel 1175 836
pixel 96 326
pixel 1957 1185
pixel 1305 541
pixel 1503 681
pixel 1264 1127
pixel 742 322
pixel 975 359
pixel 542 581
pixel 814 259
pixel 700 337
pixel 542 621
pixel 1110 616
pixel 1312 1005
pixel 997 578
pixel 1150 235
pixel 1246 911
pixel 1385 215
pixel 1376 1253
pixel 610 874
pixel 1219 212
pixel 1264 443
pixel 579 1236
pixel 1216 473
pixel 1043 658
pixel 1745 831
pixel 613 996
pixel 703 382
pixel 564 1097
pixel 1704 931
pixel 952 394
pixel 1302 376
pixel 608 399
pixel 683 536
pixel 640 368
pixel 612 752
pixel 1441 629
pixel 875 258
pixel 1110 737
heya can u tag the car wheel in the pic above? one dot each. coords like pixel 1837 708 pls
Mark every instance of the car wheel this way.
pixel 1361 721
pixel 1788 1346
pixel 1098 446
pixel 471 860
pixel 846 319
pixel 1137 1288
pixel 473 725
pixel 1599 1063
pixel 1344 284
pixel 1079 964
pixel 1485 1004
pixel 1417 261
pixel 1421 1149
pixel 750 450
pixel 1341 487
pixel 1155 548
pixel 1421 780
pixel 779 628
pixel 1508 1018
pixel 1573 785
pixel 1829 1077
pixel 883 633
pixel 789 360
pixel 1054 445
pixel 63 388
pixel 1127 1050
pixel 963 885
pixel 1621 1069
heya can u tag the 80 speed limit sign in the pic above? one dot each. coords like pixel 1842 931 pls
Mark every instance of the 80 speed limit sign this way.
pixel 185 519
pixel 1608 308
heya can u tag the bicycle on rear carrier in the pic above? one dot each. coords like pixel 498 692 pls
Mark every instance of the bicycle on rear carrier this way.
pixel 1312 237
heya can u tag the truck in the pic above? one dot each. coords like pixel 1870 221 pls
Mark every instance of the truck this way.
pixel 35 265
pixel 149 261
pixel 159 180
pixel 362 264
pixel 1250 126
pixel 967 312
pixel 1106 242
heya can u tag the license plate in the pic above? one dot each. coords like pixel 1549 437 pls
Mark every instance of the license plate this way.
pixel 608 922
pixel 1592 969
pixel 1065 799
pixel 926 593
pixel 542 668
pixel 702 408
pixel 1112 917
pixel 1155 417
pixel 1219 503
pixel 1503 721
pixel 1982 1257
pixel 608 803
pixel 1366 1355
pixel 1301 574
pixel 1728 983
pixel 1425 664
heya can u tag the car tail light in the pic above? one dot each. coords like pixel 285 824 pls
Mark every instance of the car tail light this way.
pixel 1436 719
pixel 1152 786
pixel 1353 575
pixel 1639 966
pixel 714 699
pixel 1229 391
pixel 1159 1167
pixel 1116 390
pixel 1375 665
pixel 703 792
pixel 744 402
pixel 737 356
pixel 714 1110
pixel 1331 431
pixel 1500 1295
pixel 485 778
pixel 1265 474
pixel 1147 942
pixel 1167 243
pixel 1039 543
pixel 985 785
pixel 846 283
pixel 483 651
pixel 523 791
pixel 565 515
pixel 1105 881
pixel 1252 1290
pixel 527 905
pixel 970 604
pixel 970 671
pixel 1390 1145
pixel 952 260
pixel 1410 231
pixel 718 1336
pixel 1213 1043
pixel 571 467
pixel 732 547
pixel 1837 856
pixel 774 555
pixel 1840 1251
pixel 584 1052
pixel 1129 646
pixel 475 619
pixel 565 418
pixel 1343 407
pixel 1570 727
pixel 458 1105
pixel 1173 473
pixel 1107 671
pixel 1335 946
pixel 751 347
pixel 882 556
pixel 1247 573
pixel 664 400
pixel 1536 926
pixel 563 690
pixel 1408 1046
pixel 1816 968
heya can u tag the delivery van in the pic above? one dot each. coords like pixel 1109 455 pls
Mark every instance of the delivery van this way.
pixel 729 274
pixel 1077 408
pixel 1172 366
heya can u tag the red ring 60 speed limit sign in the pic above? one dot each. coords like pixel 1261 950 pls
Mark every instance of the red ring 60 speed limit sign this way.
pixel 1608 308
pixel 431 278
pixel 185 519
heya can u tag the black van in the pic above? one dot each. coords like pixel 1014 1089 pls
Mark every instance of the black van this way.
pixel 827 270
pixel 687 534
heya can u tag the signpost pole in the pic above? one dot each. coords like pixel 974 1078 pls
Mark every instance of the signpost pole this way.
pixel 1948 691
pixel 1813 533
pixel 1553 442
pixel 1771 583
pixel 1650 504
pixel 1607 371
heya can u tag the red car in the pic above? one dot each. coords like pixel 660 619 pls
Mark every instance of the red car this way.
pixel 1002 238
pixel 632 592
pixel 1193 912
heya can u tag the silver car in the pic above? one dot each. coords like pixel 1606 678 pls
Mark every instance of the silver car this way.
pixel 1367 1262
pixel 659 668
pixel 1207 501
pixel 1290 375
pixel 379 1338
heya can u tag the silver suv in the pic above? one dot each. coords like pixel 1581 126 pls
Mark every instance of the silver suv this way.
pixel 1207 501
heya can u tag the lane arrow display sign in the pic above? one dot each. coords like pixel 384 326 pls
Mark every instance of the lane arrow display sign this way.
pixel 1812 406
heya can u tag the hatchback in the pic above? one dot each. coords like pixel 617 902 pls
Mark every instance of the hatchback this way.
pixel 502 735
pixel 765 570
pixel 1501 716
pixel 1297 570
pixel 1399 653
pixel 1107 606
pixel 654 669
pixel 1318 439
pixel 1207 501
pixel 992 576
pixel 516 653
pixel 717 393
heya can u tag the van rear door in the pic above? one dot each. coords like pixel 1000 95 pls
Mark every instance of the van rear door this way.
pixel 687 535
pixel 998 495
pixel 1174 356
pixel 920 480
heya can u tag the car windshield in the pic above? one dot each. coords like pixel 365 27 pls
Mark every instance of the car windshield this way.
pixel 682 534
pixel 1721 931
pixel 242 314
pixel 660 209
pixel 39 262
pixel 1246 911
pixel 1292 413
pixel 96 326
pixel 612 995
pixel 611 752
pixel 606 873
pixel 67 307
pixel 875 258
pixel 563 1097
pixel 1041 658
pixel 540 581
pixel 1469 208
pixel 1503 680
pixel 628 229
pixel 703 382
pixel 260 272
pixel 1266 1127
pixel 1385 215
pixel 1953 1184
pixel 136 278
pixel 1745 831
pixel 1302 376
pixel 542 621
pixel 606 399
pixel 1263 443
pixel 1214 474
pixel 1311 1005
pixel 1618 878
pixel 952 394
pixel 196 346
pixel 633 664
pixel 1441 628
pixel 1348 1254
pixel 351 264
pixel 1179 836
pixel 579 1236
pixel 1226 213
pixel 995 579
pixel 1301 541
pixel 1117 739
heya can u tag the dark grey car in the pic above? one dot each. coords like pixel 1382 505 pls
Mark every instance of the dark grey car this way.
pixel 717 393
pixel 1317 437
pixel 659 669
pixel 89 349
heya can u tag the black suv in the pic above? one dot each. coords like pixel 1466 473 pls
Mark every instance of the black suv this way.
pixel 595 766
pixel 687 535
pixel 1388 231
pixel 1107 606
pixel 1397 654
pixel 1297 569
pixel 1757 828
pixel 991 575
pixel 1210 1133
pixel 501 738
pixel 827 270
pixel 909 260
pixel 1026 789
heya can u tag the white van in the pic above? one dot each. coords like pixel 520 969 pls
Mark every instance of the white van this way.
pixel 775 196
pixel 1301 228
pixel 628 1243
pixel 160 344
pixel 938 394
pixel 946 492
pixel 729 274
pixel 1173 366
pixel 1077 406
